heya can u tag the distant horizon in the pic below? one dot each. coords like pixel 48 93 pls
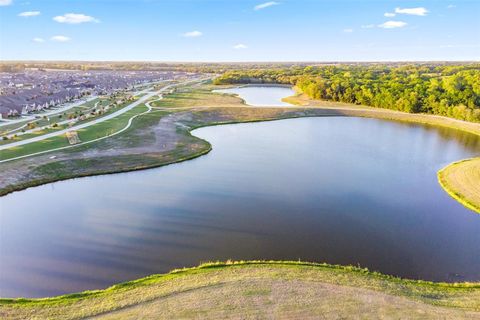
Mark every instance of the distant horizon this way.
pixel 239 61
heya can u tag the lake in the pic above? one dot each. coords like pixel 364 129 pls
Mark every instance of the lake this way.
pixel 334 189
pixel 341 190
pixel 262 96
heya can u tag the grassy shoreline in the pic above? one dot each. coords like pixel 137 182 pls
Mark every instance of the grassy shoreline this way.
pixel 460 187
pixel 365 111
pixel 469 200
pixel 263 275
pixel 303 103
pixel 278 114
pixel 36 183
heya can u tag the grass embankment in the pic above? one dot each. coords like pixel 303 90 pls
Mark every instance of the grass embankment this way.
pixel 200 97
pixel 370 112
pixel 461 180
pixel 260 289
pixel 207 109
pixel 148 143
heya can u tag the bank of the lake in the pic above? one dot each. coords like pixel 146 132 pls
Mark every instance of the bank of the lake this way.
pixel 43 170
pixel 116 155
pixel 280 190
pixel 461 180
pixel 259 289
pixel 465 190
pixel 302 100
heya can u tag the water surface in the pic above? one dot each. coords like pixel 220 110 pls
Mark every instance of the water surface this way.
pixel 262 96
pixel 333 189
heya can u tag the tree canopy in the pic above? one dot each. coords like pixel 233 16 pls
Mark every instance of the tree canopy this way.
pixel 448 90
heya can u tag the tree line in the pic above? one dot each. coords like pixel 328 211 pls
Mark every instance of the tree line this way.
pixel 448 90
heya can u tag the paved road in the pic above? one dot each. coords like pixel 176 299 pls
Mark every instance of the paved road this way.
pixel 95 121
pixel 18 134
pixel 63 108
pixel 129 123
pixel 83 125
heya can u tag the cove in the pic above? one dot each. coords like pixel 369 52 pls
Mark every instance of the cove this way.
pixel 340 190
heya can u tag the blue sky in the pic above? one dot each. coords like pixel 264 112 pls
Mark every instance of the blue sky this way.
pixel 239 30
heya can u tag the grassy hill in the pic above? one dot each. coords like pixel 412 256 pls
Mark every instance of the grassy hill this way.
pixel 260 289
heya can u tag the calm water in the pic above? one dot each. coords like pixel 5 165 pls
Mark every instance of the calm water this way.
pixel 262 96
pixel 335 189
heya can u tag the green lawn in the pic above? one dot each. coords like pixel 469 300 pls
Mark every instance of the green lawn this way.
pixel 93 132
pixel 198 97
pixel 9 127
pixel 57 117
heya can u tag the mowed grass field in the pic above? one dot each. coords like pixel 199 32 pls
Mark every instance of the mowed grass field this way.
pixel 198 97
pixel 95 131
pixel 86 108
pixel 260 290
pixel 462 181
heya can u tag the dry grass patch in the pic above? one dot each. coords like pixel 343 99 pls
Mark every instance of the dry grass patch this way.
pixel 370 112
pixel 198 98
pixel 259 290
pixel 461 180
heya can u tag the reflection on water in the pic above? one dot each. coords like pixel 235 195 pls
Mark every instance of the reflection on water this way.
pixel 339 190
pixel 262 96
pixel 469 141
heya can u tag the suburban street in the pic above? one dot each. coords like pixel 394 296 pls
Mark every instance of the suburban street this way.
pixel 99 120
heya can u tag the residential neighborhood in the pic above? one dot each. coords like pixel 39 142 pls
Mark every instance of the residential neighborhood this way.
pixel 34 90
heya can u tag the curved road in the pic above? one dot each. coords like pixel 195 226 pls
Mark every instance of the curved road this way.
pixel 87 124
pixel 129 123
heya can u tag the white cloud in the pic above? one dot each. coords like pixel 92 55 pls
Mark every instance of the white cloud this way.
pixel 192 34
pixel 265 5
pixel 29 14
pixel 392 24
pixel 389 14
pixel 368 26
pixel 420 11
pixel 39 40
pixel 348 30
pixel 451 6
pixel 74 18
pixel 240 46
pixel 60 38
pixel 5 2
